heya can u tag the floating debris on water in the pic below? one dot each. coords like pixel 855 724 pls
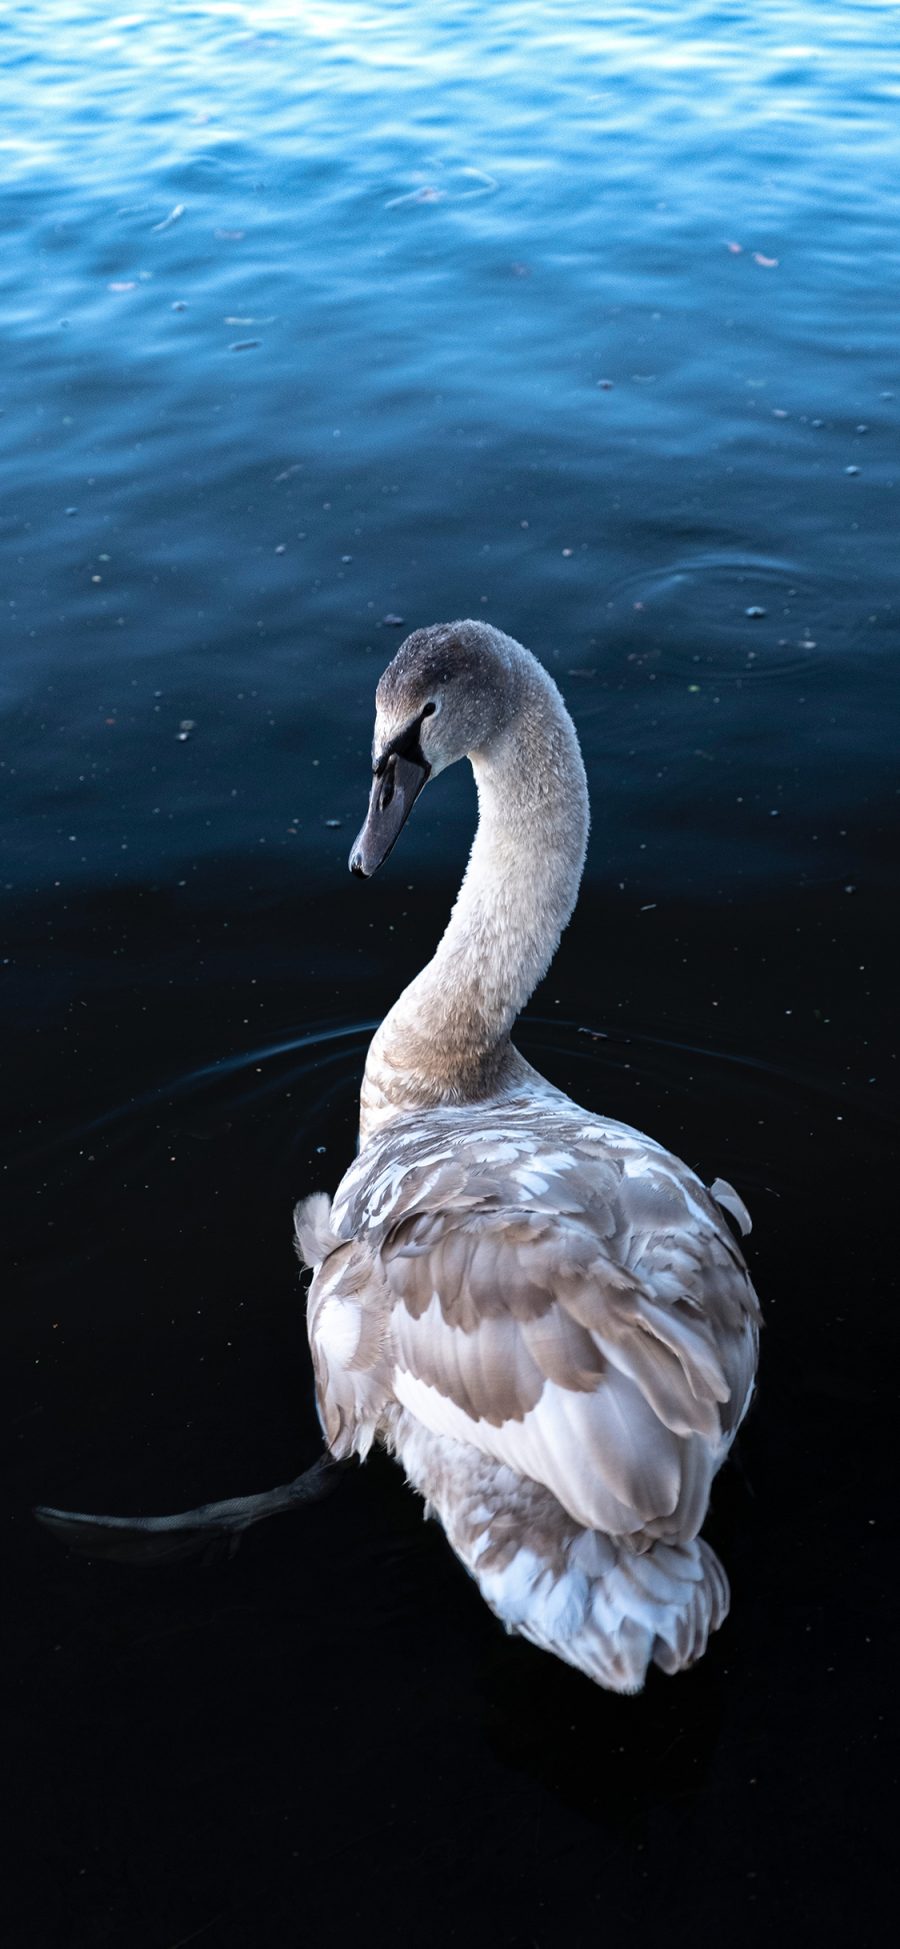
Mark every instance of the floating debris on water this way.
pixel 392 621
pixel 481 185
pixel 851 470
pixel 172 217
pixel 768 263
pixel 184 730
pixel 427 194
pixel 122 284
pixel 754 610
pixel 244 344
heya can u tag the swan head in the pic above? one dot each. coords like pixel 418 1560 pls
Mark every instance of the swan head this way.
pixel 446 694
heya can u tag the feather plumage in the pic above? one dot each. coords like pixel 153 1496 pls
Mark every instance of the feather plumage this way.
pixel 543 1313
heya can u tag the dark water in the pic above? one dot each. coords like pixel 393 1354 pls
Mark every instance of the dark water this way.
pixel 451 319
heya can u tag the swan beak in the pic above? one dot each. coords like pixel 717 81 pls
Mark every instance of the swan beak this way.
pixel 394 793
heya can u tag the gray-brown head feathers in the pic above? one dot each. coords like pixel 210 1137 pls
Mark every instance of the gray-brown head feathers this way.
pixel 467 676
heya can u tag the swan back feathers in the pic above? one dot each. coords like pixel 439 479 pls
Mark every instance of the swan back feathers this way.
pixel 566 1298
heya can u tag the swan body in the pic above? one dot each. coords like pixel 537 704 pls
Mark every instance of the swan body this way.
pixel 541 1312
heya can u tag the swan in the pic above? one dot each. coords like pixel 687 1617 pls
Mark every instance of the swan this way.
pixel 539 1311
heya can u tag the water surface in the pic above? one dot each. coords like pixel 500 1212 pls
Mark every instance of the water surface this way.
pixel 322 324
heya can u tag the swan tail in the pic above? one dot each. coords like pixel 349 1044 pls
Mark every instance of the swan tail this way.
pixel 607 1610
pixel 593 1600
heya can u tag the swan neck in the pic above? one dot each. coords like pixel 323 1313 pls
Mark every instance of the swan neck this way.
pixel 446 1040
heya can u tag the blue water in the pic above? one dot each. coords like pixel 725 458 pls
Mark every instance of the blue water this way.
pixel 322 323
pixel 420 394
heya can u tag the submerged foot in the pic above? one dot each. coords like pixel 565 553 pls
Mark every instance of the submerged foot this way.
pixel 163 1539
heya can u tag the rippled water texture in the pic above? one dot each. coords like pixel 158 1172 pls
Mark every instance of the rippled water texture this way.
pixel 320 323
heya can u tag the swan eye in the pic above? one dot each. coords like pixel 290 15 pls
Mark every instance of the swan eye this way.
pixel 429 710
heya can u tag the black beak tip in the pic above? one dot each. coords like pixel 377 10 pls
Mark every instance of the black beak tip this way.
pixel 356 866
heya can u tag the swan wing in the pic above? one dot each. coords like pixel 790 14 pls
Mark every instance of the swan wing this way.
pixel 575 1309
pixel 518 1333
